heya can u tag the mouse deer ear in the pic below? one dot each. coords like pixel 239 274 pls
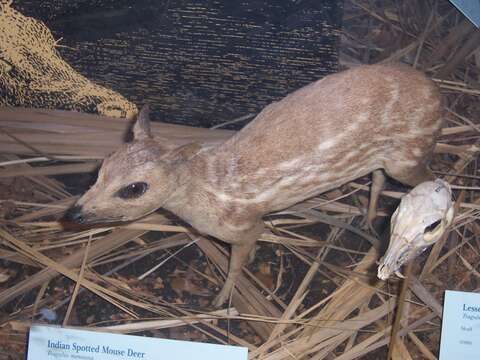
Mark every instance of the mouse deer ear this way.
pixel 141 129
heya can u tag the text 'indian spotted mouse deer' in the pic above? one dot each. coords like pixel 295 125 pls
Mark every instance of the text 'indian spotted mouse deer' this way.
pixel 372 118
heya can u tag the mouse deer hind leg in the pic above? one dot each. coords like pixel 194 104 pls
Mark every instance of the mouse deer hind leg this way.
pixel 378 183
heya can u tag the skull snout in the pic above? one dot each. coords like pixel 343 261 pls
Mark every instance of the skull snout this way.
pixel 384 272
pixel 75 215
pixel 398 253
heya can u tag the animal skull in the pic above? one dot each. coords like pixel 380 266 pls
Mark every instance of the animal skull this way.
pixel 420 220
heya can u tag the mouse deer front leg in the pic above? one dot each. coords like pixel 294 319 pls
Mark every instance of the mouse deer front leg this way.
pixel 243 244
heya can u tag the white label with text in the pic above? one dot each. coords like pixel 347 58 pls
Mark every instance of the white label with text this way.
pixel 460 326
pixel 48 342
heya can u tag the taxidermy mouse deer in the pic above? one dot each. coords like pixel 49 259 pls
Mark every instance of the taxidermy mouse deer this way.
pixel 372 118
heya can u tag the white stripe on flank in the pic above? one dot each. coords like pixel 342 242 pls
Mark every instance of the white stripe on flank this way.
pixel 394 95
pixel 327 144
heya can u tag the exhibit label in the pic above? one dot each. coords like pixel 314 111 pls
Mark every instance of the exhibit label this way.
pixel 48 342
pixel 460 326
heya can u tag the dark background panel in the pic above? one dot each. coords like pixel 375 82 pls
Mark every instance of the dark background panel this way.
pixel 196 62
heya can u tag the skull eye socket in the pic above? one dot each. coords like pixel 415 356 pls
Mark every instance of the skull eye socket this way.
pixel 432 227
pixel 132 191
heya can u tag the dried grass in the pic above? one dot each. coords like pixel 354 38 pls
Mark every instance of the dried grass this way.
pixel 351 318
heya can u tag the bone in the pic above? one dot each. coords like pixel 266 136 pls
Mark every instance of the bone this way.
pixel 421 219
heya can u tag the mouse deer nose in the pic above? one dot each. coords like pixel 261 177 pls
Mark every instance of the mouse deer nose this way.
pixel 74 215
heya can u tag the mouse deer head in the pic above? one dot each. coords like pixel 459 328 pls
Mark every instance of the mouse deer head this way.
pixel 134 181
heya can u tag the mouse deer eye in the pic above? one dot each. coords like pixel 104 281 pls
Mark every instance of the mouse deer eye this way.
pixel 132 191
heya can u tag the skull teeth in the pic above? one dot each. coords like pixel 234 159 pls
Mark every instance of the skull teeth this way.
pixel 399 274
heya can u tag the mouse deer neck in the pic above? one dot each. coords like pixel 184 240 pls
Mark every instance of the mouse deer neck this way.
pixel 187 178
